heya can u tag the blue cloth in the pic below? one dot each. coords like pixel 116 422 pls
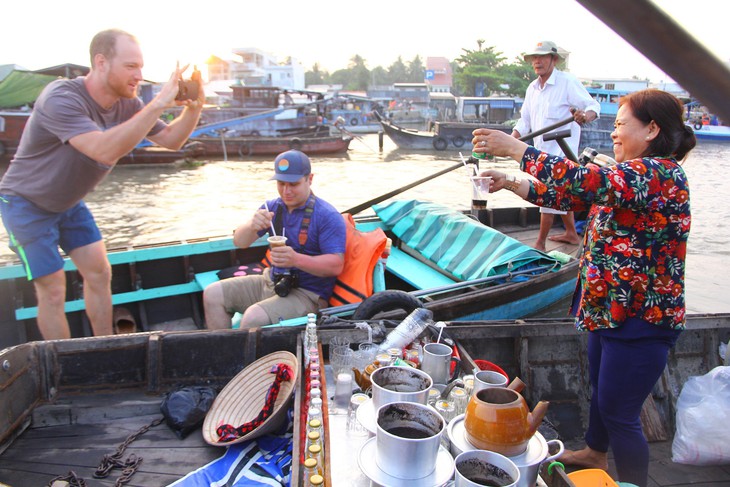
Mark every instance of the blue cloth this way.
pixel 326 235
pixel 266 460
pixel 456 243
pixel 35 234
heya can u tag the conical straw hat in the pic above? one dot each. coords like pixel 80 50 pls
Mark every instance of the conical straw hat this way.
pixel 242 399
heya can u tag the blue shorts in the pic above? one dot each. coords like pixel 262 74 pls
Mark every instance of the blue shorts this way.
pixel 36 234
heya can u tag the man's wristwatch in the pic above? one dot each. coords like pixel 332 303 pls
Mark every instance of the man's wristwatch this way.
pixel 512 183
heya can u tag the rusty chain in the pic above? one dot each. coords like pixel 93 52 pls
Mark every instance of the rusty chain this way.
pixel 128 466
pixel 110 462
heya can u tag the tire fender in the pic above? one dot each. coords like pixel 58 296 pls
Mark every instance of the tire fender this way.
pixel 295 143
pixel 245 149
pixel 439 143
pixel 389 300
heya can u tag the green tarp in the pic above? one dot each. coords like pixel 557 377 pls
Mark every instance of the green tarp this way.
pixel 456 243
pixel 21 88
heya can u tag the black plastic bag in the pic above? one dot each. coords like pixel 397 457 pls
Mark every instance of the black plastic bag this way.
pixel 185 409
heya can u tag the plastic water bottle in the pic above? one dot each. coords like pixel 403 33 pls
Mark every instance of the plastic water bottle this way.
pixel 408 330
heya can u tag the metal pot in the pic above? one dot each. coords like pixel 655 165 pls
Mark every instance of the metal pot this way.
pixel 528 462
pixel 408 439
pixel 397 384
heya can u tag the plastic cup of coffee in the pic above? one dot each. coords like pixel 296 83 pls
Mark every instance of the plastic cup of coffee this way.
pixel 277 241
pixel 480 191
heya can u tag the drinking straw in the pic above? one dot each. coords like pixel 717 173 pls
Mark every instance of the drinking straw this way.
pixel 463 161
pixel 273 232
pixel 441 325
pixel 473 170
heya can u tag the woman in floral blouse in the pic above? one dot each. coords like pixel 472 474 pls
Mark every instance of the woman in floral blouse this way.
pixel 630 291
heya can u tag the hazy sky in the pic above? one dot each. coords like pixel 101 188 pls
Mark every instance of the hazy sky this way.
pixel 42 33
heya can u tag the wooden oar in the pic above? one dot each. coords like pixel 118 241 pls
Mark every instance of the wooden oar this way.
pixel 363 206
pixel 357 209
pixel 546 129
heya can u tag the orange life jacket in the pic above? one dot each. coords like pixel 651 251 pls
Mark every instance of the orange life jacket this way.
pixel 363 249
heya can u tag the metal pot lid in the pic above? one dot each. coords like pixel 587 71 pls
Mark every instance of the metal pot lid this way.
pixel 536 451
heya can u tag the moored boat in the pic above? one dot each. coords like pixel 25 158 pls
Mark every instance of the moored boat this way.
pixel 160 155
pixel 444 134
pixel 161 285
pixel 310 143
pixel 711 133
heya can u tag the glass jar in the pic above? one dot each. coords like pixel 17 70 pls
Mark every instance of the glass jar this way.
pixel 433 396
pixel 311 467
pixel 446 409
pixel 459 398
pixel 313 438
pixel 315 481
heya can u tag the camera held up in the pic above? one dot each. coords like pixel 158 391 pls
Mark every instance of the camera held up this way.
pixel 189 89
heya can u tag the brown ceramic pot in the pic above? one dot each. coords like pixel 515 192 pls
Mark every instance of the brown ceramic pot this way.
pixel 498 419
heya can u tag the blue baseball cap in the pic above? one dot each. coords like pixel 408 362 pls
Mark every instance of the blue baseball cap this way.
pixel 291 166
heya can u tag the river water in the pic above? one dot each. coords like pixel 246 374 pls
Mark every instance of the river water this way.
pixel 163 203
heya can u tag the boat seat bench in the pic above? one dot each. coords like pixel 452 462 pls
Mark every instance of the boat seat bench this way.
pixel 414 272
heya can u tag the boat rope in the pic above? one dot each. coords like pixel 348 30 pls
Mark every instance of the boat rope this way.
pixel 128 466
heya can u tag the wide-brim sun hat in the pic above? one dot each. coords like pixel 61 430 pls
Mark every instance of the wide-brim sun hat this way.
pixel 543 48
pixel 243 398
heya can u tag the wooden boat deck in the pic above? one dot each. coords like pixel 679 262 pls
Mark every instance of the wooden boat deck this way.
pixel 105 389
pixel 54 446
pixel 76 433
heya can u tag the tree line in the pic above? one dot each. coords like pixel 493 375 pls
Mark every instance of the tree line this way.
pixel 476 72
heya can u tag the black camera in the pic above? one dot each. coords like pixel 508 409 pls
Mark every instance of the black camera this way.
pixel 187 89
pixel 284 283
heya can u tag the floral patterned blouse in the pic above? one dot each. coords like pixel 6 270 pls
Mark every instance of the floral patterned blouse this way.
pixel 635 242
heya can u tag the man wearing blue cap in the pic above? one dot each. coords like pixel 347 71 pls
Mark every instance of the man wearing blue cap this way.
pixel 302 273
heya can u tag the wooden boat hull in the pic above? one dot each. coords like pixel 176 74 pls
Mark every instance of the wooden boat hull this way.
pixel 67 403
pixel 162 284
pixel 259 146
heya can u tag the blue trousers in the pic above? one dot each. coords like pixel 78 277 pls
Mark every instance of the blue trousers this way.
pixel 624 365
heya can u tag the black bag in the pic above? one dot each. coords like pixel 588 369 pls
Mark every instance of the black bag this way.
pixel 185 409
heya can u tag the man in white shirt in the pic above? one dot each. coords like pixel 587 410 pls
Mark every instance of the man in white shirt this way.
pixel 548 100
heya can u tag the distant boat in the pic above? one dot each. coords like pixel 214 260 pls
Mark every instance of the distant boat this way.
pixel 258 146
pixel 444 135
pixel 12 123
pixel 716 133
pixel 159 155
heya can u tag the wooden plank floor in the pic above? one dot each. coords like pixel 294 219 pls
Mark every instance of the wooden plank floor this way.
pixel 42 453
pixel 665 473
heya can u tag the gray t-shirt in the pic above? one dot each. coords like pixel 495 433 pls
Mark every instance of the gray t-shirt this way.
pixel 46 169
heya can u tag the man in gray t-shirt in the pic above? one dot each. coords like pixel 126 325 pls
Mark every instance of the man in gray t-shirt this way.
pixel 77 132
